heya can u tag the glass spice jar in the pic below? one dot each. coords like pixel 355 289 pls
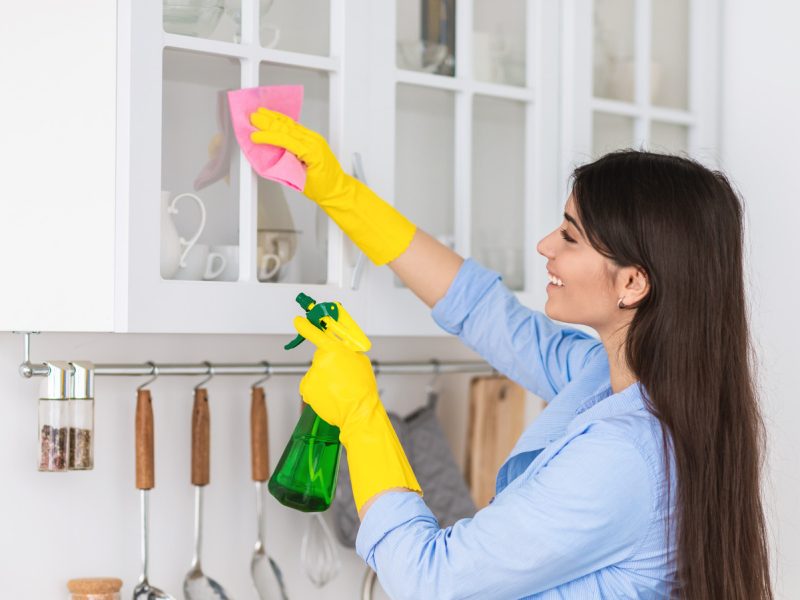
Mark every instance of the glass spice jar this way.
pixel 94 588
pixel 81 427
pixel 54 419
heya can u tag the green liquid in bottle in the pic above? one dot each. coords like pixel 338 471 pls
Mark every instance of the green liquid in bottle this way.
pixel 305 478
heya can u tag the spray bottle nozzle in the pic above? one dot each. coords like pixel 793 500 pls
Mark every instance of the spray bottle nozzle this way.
pixel 333 319
pixel 305 302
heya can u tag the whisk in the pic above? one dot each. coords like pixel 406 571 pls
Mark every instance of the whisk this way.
pixel 318 552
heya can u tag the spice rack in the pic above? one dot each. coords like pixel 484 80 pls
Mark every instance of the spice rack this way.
pixel 66 413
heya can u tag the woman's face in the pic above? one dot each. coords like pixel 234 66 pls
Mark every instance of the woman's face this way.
pixel 584 285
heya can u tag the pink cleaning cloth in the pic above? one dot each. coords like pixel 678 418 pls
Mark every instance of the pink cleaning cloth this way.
pixel 270 162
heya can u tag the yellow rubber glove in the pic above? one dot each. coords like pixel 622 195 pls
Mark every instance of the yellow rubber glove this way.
pixel 377 228
pixel 340 386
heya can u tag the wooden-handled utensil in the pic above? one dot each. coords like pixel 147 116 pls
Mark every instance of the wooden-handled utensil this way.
pixel 197 585
pixel 267 576
pixel 145 481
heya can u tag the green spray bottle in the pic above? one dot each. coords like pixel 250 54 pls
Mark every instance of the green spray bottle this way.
pixel 305 478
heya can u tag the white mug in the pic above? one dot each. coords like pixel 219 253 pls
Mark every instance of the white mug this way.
pixel 169 269
pixel 230 254
pixel 171 248
pixel 275 249
pixel 200 263
pixel 268 265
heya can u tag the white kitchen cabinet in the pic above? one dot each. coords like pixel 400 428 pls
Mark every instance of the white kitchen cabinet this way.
pixel 471 134
pixel 120 107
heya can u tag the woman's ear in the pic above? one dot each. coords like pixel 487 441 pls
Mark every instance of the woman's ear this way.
pixel 635 285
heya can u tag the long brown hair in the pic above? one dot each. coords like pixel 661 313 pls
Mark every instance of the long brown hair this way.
pixel 689 346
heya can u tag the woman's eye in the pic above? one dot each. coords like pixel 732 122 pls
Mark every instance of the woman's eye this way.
pixel 566 236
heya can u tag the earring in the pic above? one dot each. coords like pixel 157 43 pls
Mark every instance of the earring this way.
pixel 621 304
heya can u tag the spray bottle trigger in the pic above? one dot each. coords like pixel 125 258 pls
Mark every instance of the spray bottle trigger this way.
pixel 299 339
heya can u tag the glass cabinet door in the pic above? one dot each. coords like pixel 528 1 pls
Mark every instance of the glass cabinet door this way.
pixel 424 160
pixel 291 231
pixel 199 168
pixel 669 137
pixel 640 76
pixel 463 144
pixel 614 65
pixel 611 132
pixel 204 206
pixel 298 26
pixel 426 31
pixel 669 77
pixel 498 182
pixel 498 41
pixel 210 19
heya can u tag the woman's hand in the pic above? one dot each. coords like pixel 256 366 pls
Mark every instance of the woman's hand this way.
pixel 340 386
pixel 375 227
pixel 325 178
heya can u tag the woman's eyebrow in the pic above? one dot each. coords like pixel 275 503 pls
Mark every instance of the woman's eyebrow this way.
pixel 572 220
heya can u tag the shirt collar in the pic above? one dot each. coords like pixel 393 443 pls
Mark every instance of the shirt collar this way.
pixel 604 404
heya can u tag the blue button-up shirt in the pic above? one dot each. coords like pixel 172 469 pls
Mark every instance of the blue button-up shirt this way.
pixel 581 506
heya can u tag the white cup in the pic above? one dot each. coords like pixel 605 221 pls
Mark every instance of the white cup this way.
pixel 275 249
pixel 172 265
pixel 230 254
pixel 201 264
pixel 269 265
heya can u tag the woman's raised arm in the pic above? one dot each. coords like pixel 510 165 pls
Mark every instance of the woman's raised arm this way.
pixel 427 267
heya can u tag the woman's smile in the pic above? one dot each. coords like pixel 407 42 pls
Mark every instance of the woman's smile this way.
pixel 555 280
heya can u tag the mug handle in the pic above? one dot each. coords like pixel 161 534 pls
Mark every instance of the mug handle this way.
pixel 283 247
pixel 192 240
pixel 276 35
pixel 212 273
pixel 265 274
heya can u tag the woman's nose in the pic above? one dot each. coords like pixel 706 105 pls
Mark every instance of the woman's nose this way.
pixel 545 246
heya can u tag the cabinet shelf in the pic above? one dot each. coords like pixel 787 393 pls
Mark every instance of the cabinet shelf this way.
pixel 656 113
pixel 460 84
pixel 252 52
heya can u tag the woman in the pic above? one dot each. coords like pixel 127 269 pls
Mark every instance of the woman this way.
pixel 641 477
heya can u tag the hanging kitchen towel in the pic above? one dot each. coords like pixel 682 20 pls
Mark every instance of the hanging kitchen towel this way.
pixel 268 161
pixel 496 420
pixel 425 444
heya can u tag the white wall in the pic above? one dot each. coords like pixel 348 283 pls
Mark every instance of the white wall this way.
pixel 56 526
pixel 761 135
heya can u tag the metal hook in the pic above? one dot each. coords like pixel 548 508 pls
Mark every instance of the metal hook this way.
pixel 436 370
pixel 267 376
pixel 210 375
pixel 376 367
pixel 153 371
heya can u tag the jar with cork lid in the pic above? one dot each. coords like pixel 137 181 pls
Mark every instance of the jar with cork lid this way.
pixel 94 588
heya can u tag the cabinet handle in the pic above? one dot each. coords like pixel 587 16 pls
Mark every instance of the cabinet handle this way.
pixel 361 261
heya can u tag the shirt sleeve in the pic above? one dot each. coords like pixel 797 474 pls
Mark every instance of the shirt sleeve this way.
pixel 521 343
pixel 589 507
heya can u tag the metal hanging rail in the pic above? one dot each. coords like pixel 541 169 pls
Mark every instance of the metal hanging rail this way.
pixel 28 369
